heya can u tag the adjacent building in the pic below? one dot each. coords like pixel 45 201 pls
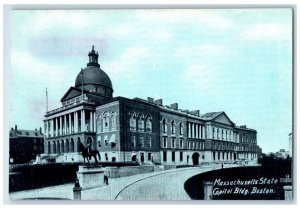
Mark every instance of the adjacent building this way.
pixel 143 130
pixel 25 145
pixel 291 144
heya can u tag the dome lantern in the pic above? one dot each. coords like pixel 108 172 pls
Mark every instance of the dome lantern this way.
pixel 93 58
pixel 93 78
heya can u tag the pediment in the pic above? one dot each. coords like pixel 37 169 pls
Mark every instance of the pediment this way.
pixel 224 119
pixel 71 93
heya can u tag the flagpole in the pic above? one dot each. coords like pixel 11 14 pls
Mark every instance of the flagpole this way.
pixel 81 83
pixel 46 100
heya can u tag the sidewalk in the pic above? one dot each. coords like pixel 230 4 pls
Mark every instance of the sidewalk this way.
pixel 106 192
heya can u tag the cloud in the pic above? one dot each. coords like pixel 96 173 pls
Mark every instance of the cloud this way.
pixel 198 77
pixel 160 34
pixel 127 66
pixel 185 16
pixel 200 50
pixel 267 32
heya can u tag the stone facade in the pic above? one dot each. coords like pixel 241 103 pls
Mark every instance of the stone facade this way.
pixel 141 130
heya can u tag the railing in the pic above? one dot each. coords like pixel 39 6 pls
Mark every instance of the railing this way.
pixel 69 105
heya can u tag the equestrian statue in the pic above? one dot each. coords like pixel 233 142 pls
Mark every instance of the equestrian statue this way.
pixel 88 153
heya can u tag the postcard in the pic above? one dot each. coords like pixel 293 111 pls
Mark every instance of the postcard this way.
pixel 151 104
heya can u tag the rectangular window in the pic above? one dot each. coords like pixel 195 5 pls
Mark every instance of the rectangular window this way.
pixel 165 142
pixel 164 156
pixel 149 156
pixel 148 142
pixel 132 141
pixel 181 156
pixel 173 156
pixel 173 143
pixel 141 141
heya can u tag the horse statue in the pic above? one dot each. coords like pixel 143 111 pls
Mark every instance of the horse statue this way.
pixel 88 153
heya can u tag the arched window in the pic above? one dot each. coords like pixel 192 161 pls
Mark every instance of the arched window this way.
pixel 173 127
pixel 148 124
pixel 164 126
pixel 105 122
pixel 181 143
pixel 49 147
pixel 54 147
pixel 62 146
pixel 132 121
pixel 181 128
pixel 113 121
pixel 67 145
pixel 72 145
pixel 141 122
pixel 58 146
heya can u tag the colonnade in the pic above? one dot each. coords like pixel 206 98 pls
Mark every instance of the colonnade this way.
pixel 71 123
pixel 195 130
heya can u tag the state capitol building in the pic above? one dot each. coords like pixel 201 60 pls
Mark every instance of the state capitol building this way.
pixel 146 131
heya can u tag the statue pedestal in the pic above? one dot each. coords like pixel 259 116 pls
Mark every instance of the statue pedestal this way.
pixel 90 176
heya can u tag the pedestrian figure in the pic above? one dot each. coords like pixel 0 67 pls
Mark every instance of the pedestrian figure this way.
pixel 222 166
pixel 105 180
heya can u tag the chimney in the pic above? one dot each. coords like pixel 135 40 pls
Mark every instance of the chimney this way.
pixel 186 111
pixel 159 102
pixel 195 112
pixel 174 106
pixel 16 128
pixel 150 99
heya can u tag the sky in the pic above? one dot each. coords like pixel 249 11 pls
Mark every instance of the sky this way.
pixel 233 60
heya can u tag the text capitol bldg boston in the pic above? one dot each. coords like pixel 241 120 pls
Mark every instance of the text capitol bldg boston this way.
pixel 140 130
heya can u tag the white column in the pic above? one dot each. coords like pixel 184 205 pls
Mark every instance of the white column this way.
pixel 197 129
pixel 193 131
pixel 70 124
pixel 189 130
pixel 65 124
pixel 52 127
pixel 56 126
pixel 200 131
pixel 83 121
pixel 60 125
pixel 75 122
pixel 94 124
pixel 46 128
pixel 91 121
